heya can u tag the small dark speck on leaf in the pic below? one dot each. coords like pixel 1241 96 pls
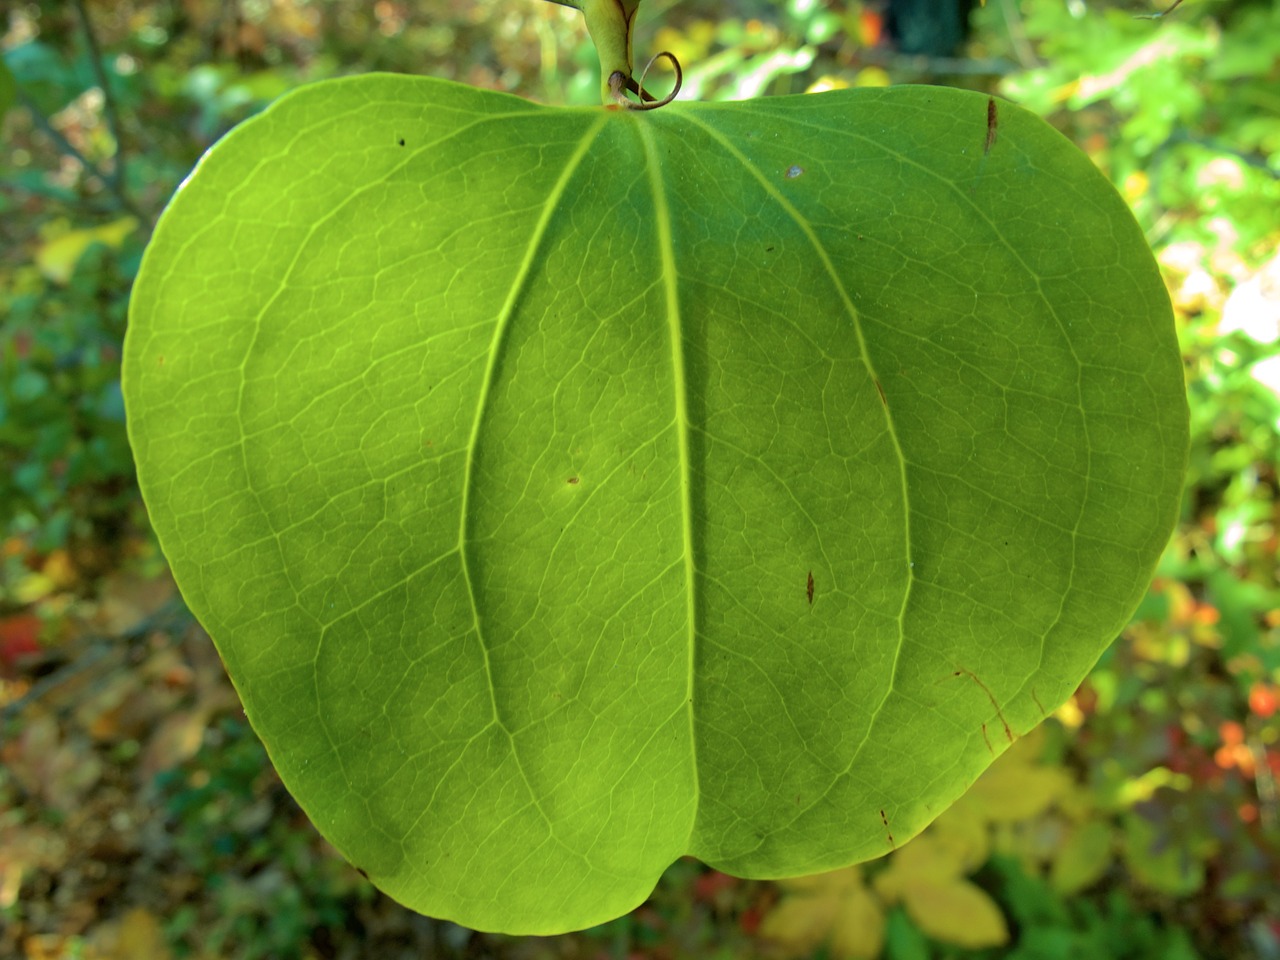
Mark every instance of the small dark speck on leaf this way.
pixel 809 588
pixel 402 141
pixel 794 171
pixel 768 249
pixel 573 480
pixel 992 119
pixel 888 832
pixel 360 870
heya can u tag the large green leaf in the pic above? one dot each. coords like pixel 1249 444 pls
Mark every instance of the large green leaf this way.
pixel 570 490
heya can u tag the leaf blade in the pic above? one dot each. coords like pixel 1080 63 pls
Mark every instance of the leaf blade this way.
pixel 542 419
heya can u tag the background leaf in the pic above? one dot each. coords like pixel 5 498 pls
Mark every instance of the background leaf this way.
pixel 498 447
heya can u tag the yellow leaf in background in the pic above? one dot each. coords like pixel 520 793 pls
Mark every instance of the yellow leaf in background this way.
pixel 33 587
pixel 1082 858
pixel 956 912
pixel 827 82
pixel 1012 789
pixel 872 77
pixel 931 855
pixel 60 569
pixel 923 860
pixel 963 836
pixel 57 257
pixel 858 932
pixel 140 938
pixel 800 922
pixel 834 881
pixel 830 907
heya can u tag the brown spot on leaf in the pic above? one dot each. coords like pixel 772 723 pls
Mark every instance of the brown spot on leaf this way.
pixel 999 713
pixel 993 118
pixel 573 480
pixel 808 590
pixel 888 832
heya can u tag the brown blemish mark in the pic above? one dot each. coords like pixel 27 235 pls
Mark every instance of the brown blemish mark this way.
pixel 808 589
pixel 999 713
pixel 987 740
pixel 402 141
pixel 880 390
pixel 993 118
pixel 361 871
pixel 160 361
pixel 888 832
pixel 573 480
pixel 1043 711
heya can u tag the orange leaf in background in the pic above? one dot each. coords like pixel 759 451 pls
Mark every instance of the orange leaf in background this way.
pixel 1263 700
pixel 1231 733
pixel 870 27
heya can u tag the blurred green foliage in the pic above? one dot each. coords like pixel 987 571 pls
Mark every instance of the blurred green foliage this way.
pixel 1174 740
pixel 66 471
pixel 270 889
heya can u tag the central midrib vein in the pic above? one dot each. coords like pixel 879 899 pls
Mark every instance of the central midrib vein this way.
pixel 666 252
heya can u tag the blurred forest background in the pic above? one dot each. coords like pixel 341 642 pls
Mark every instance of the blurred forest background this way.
pixel 139 817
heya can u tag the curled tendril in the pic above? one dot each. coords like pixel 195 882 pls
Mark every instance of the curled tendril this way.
pixel 619 84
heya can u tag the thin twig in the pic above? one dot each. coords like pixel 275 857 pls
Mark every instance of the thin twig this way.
pixel 172 616
pixel 65 146
pixel 1161 15
pixel 108 101
pixel 1018 35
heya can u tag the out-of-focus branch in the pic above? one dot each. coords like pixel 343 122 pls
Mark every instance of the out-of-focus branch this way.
pixel 108 100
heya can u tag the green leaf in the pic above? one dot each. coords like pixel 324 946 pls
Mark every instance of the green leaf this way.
pixel 568 490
